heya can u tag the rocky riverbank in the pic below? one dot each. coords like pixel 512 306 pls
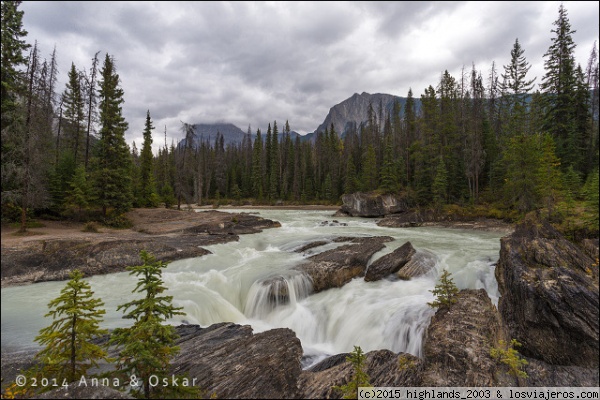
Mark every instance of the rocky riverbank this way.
pixel 53 251
pixel 549 303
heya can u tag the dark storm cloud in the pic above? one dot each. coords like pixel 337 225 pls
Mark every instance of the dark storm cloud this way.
pixel 250 63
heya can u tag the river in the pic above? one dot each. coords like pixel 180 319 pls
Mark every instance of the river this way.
pixel 225 286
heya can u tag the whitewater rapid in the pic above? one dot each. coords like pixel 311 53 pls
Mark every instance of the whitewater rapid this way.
pixel 226 286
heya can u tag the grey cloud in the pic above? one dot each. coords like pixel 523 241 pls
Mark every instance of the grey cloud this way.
pixel 253 62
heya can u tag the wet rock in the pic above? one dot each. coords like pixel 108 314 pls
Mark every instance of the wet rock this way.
pixel 590 246
pixel 458 342
pixel 332 223
pixel 336 267
pixel 408 219
pixel 229 361
pixel 310 246
pixel 421 263
pixel 390 263
pixel 549 296
pixel 384 368
pixel 369 205
pixel 542 374
pixel 87 390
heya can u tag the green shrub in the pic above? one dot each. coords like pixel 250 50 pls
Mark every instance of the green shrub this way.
pixel 507 355
pixel 118 222
pixel 91 227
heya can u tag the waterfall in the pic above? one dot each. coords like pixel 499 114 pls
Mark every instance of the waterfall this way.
pixel 253 282
pixel 266 295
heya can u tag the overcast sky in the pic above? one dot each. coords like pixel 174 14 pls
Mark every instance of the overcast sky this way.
pixel 250 63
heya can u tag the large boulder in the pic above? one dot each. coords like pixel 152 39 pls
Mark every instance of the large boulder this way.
pixel 371 205
pixel 421 263
pixel 549 299
pixel 390 263
pixel 336 267
pixel 458 342
pixel 229 361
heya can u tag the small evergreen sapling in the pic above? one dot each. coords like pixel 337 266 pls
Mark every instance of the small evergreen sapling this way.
pixel 147 347
pixel 509 356
pixel 445 291
pixel 359 379
pixel 69 351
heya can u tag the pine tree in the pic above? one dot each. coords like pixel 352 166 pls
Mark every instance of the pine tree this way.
pixel 78 195
pixel 515 88
pixel 73 114
pixel 112 169
pixel 147 183
pixel 549 179
pixel 274 165
pixel 522 162
pixel 439 189
pixel 147 347
pixel 389 171
pixel 69 351
pixel 359 377
pixel 369 172
pixel 445 291
pixel 257 163
pixel 13 59
pixel 559 87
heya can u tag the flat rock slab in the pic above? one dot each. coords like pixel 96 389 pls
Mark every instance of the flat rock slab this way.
pixel 390 263
pixel 336 267
pixel 167 234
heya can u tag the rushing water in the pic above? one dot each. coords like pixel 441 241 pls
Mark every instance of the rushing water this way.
pixel 227 286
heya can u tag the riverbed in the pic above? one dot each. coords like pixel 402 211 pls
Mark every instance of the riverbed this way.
pixel 227 286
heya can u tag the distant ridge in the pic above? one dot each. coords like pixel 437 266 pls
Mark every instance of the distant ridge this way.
pixel 350 113
pixel 232 134
pixel 345 116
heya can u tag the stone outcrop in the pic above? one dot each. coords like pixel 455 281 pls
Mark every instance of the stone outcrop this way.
pixel 80 390
pixel 336 267
pixel 458 342
pixel 229 361
pixel 384 368
pixel 369 205
pixel 421 263
pixel 390 263
pixel 549 299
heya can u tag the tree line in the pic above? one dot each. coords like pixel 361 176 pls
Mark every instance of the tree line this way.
pixel 469 140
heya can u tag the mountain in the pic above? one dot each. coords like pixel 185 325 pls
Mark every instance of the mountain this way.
pixel 350 113
pixel 231 134
pixel 208 132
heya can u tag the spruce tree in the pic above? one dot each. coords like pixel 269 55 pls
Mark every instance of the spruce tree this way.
pixel 78 195
pixel 274 165
pixel 559 88
pixel 369 173
pixel 445 291
pixel 439 189
pixel 112 167
pixel 148 190
pixel 257 170
pixel 13 61
pixel 359 377
pixel 521 161
pixel 515 88
pixel 73 114
pixel 147 347
pixel 69 352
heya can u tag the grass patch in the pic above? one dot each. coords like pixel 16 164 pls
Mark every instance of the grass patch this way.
pixel 28 224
